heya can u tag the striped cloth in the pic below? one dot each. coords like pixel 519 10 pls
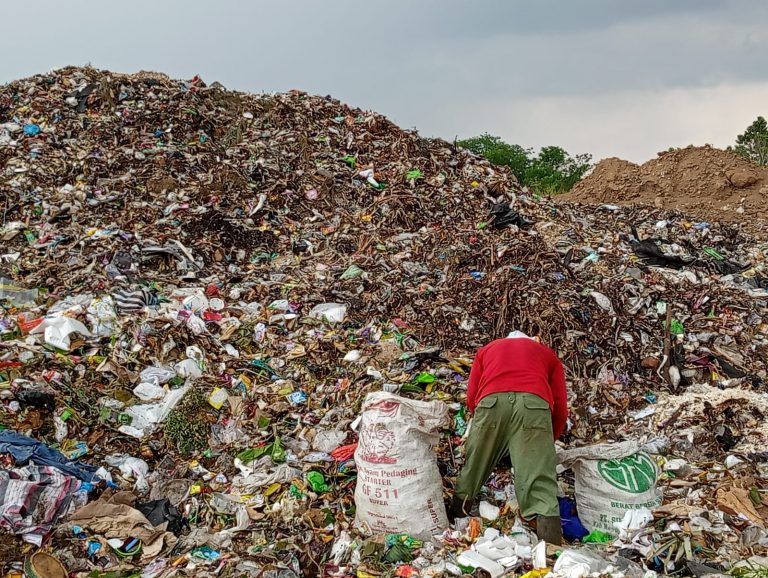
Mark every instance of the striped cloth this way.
pixel 33 499
pixel 127 300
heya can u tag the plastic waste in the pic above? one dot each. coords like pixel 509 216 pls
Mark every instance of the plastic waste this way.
pixel 132 469
pixel 57 331
pixel 579 563
pixel 218 398
pixel 633 521
pixel 573 529
pixel 598 537
pixel 149 392
pixel 145 417
pixel 14 293
pixel 316 481
pixel 475 560
pixel 329 312
pixel 488 511
pixel 188 369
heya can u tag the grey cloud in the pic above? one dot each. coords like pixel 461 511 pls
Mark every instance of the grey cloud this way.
pixel 423 63
pixel 505 17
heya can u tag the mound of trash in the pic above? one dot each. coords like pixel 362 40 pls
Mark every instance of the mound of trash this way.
pixel 705 181
pixel 200 287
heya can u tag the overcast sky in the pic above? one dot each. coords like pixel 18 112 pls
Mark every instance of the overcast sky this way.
pixel 622 78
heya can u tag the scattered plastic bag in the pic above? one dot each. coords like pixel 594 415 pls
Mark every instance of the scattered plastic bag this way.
pixel 146 417
pixel 15 294
pixel 131 468
pixel 57 331
pixel 329 312
pixel 579 563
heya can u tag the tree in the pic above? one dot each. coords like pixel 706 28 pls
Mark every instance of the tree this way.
pixel 753 144
pixel 499 153
pixel 553 170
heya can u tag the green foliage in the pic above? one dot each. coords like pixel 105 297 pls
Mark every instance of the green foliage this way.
pixel 499 153
pixel 186 427
pixel 753 144
pixel 751 570
pixel 553 170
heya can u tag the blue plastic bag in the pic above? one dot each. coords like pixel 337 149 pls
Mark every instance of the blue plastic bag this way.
pixel 573 529
pixel 31 129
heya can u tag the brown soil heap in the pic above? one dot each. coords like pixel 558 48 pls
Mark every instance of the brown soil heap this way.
pixel 704 181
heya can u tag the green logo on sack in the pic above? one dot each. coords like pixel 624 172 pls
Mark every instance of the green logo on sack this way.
pixel 634 474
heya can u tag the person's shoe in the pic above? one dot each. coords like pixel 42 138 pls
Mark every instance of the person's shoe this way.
pixel 459 508
pixel 548 528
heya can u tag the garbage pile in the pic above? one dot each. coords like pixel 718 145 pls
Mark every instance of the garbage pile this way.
pixel 704 181
pixel 199 288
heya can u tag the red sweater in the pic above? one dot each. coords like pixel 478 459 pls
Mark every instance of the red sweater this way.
pixel 521 365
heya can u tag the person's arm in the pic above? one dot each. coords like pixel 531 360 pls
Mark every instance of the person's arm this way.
pixel 473 386
pixel 560 396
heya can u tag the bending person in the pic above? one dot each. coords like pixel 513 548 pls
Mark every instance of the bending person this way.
pixel 517 396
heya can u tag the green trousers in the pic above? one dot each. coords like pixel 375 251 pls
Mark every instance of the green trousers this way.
pixel 519 424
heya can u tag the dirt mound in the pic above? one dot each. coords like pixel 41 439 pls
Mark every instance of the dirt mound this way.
pixel 707 182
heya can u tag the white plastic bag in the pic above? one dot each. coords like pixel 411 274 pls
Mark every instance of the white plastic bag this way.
pixel 57 330
pixel 132 468
pixel 146 391
pixel 633 522
pixel 611 479
pixel 146 417
pixel 188 369
pixel 102 317
pixel 157 374
pixel 329 312
pixel 579 563
pixel 399 488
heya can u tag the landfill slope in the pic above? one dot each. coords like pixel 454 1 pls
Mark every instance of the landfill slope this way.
pixel 708 182
pixel 257 264
pixel 253 182
pixel 142 181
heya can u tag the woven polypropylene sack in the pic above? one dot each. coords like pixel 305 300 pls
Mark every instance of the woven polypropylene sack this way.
pixel 611 479
pixel 399 488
